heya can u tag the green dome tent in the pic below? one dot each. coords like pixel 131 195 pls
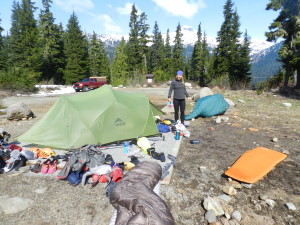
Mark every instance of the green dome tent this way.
pixel 101 116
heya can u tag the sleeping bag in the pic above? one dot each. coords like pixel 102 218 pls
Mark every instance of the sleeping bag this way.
pixel 208 106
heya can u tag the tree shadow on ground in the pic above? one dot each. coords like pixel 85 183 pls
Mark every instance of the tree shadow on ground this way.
pixel 290 92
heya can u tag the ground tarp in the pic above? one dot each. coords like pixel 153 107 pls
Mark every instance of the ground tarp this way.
pixel 100 116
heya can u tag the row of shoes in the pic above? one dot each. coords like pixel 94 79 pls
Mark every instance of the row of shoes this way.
pixel 49 166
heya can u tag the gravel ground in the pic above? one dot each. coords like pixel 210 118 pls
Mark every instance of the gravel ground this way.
pixel 197 175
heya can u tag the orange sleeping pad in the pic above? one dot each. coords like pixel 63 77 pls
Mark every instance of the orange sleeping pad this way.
pixel 254 164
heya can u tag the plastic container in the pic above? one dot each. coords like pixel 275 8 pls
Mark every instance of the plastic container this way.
pixel 177 135
pixel 126 147
pixel 195 141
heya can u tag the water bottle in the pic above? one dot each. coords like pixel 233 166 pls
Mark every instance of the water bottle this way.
pixel 125 147
pixel 177 135
pixel 195 141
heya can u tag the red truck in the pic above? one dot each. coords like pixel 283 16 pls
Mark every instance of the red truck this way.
pixel 89 83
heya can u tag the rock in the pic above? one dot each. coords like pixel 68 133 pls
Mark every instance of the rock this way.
pixel 286 152
pixel 230 102
pixel 210 216
pixel 257 207
pixel 225 198
pixel 287 104
pixel 229 190
pixel 236 215
pixel 224 221
pixel 253 129
pixel 290 206
pixel 228 209
pixel 270 202
pixel 205 91
pixel 240 100
pixel 41 190
pixel 235 184
pixel 203 169
pixel 212 204
pixel 224 118
pixel 14 205
pixel 216 223
pixel 233 222
pixel 218 120
pixel 275 139
pixel 263 197
pixel 18 111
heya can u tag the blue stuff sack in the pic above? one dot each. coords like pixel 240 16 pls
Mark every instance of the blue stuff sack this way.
pixel 163 128
pixel 75 177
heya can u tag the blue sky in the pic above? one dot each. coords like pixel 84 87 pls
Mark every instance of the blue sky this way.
pixel 112 16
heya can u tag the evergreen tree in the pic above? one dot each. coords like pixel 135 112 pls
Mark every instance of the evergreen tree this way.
pixel 243 63
pixel 227 52
pixel 287 26
pixel 51 37
pixel 29 37
pixel 205 61
pixel 197 56
pixel 133 50
pixel 119 69
pixel 177 56
pixel 2 51
pixel 143 40
pixel 167 64
pixel 156 55
pixel 14 40
pixel 76 52
pixel 23 48
pixel 98 58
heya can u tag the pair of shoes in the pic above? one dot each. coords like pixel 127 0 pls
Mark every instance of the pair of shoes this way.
pixel 37 167
pixel 104 178
pixel 49 166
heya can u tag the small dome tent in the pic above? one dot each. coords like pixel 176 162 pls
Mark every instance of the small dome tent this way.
pixel 101 116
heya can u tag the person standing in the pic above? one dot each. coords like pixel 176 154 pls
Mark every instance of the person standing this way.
pixel 180 93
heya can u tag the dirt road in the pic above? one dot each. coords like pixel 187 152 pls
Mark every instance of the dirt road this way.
pixel 198 173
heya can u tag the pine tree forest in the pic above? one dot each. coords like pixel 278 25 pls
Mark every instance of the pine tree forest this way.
pixel 39 51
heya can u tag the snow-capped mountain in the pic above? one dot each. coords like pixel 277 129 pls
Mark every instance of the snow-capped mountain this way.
pixel 189 38
pixel 264 54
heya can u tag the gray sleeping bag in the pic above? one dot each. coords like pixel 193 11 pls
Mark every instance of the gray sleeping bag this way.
pixel 135 200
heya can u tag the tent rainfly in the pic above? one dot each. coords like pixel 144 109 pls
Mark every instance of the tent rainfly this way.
pixel 101 116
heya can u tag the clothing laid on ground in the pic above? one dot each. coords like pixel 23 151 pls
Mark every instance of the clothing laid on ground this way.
pixel 178 98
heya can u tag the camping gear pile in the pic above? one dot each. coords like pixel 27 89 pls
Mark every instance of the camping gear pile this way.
pixel 11 155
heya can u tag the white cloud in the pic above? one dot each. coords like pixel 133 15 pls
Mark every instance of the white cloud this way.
pixel 109 25
pixel 126 10
pixel 184 8
pixel 75 5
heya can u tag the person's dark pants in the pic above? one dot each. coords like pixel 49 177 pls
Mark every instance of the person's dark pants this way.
pixel 179 104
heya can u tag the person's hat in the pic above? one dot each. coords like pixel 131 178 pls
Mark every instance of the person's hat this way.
pixel 180 73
